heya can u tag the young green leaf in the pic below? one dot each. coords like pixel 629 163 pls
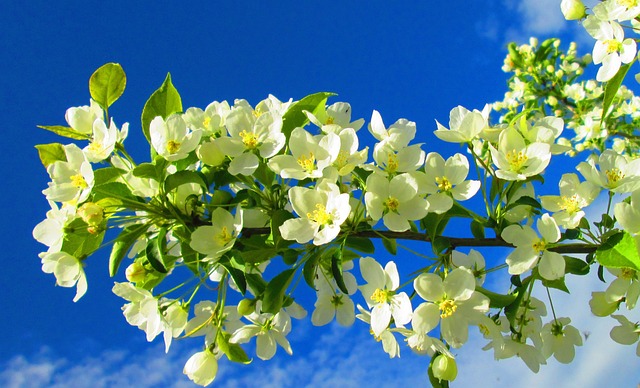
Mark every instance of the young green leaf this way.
pixel 295 117
pixel 65 131
pixel 274 293
pixel 611 89
pixel 336 270
pixel 50 153
pixel 163 102
pixel 107 84
pixel 619 251
pixel 123 243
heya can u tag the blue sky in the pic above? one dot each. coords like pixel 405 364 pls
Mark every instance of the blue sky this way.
pixel 414 60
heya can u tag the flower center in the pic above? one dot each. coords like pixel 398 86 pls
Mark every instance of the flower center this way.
pixel 224 237
pixel 307 164
pixel 447 308
pixel 613 46
pixel 443 183
pixel 95 146
pixel 206 122
pixel 628 4
pixel 539 246
pixel 570 204
pixel 516 160
pixel 391 204
pixel 249 139
pixel 614 175
pixel 628 273
pixel 79 181
pixel 173 146
pixel 336 300
pixel 381 296
pixel 342 159
pixel 392 162
pixel 330 120
pixel 320 215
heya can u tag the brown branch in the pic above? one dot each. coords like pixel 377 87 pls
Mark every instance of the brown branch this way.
pixel 577 248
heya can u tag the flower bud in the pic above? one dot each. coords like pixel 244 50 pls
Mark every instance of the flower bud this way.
pixel 91 213
pixel 135 272
pixel 573 9
pixel 444 368
pixel 246 307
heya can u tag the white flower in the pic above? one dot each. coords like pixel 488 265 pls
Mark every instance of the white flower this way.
pixel 50 232
pixel 211 121
pixel 309 155
pixel 601 306
pixel 530 247
pixel 611 48
pixel 218 238
pixel 626 285
pixel 627 333
pixel 446 179
pixel 458 304
pixel 174 320
pixel 560 339
pixel 71 181
pixel 171 139
pixel 389 342
pixel 103 141
pixel 252 133
pixel 395 201
pixel 474 261
pixel 206 320
pixel 335 118
pixel 142 311
pixel 397 136
pixel 270 330
pixel 391 161
pixel 517 160
pixel 615 172
pixel 574 196
pixel 81 118
pixel 201 367
pixel 67 270
pixel 382 297
pixel 464 126
pixel 321 212
pixel 628 214
pixel 331 302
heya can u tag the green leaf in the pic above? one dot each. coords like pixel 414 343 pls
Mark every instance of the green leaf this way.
pixel 336 270
pixel 155 251
pixel 65 131
pixel 558 284
pixel 78 242
pixel 50 153
pixel 391 245
pixel 163 102
pixel 236 275
pixel 146 170
pixel 256 283
pixel 114 190
pixel 619 251
pixel 277 219
pixel 440 245
pixel 183 177
pixel 525 200
pixel 477 229
pixel 612 87
pixel 123 243
pixel 274 293
pixel 309 269
pixel 294 116
pixel 497 300
pixel 107 84
pixel 575 266
pixel 360 244
pixel 106 175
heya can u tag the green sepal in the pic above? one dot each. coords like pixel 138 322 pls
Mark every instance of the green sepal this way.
pixel 51 153
pixel 234 352
pixel 619 251
pixel 294 116
pixel 274 293
pixel 611 89
pixel 336 270
pixel 163 102
pixel 65 131
pixel 123 243
pixel 497 300
pixel 576 266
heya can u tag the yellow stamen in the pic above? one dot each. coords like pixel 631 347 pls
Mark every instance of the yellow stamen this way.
pixel 307 164
pixel 443 183
pixel 614 175
pixel 613 46
pixel 95 146
pixel 447 308
pixel 329 120
pixel 173 146
pixel 320 215
pixel 516 159
pixel 224 237
pixel 628 273
pixel 79 181
pixel 380 296
pixel 539 246
pixel 628 4
pixel 392 163
pixel 249 139
pixel 206 122
pixel 570 204
pixel 391 204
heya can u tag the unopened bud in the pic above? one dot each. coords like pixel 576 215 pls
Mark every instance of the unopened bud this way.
pixel 135 272
pixel 246 307
pixel 573 9
pixel 91 213
pixel 444 368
